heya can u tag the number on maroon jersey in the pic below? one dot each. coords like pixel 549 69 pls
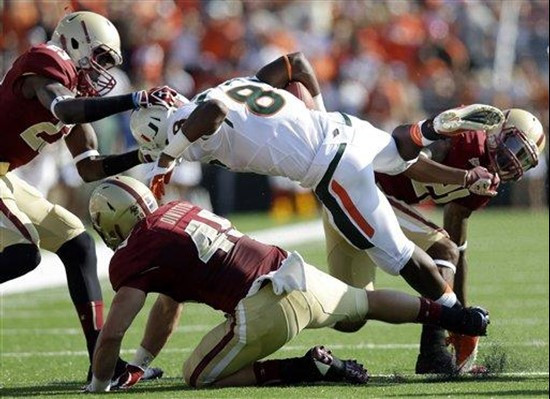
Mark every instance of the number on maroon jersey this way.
pixel 439 193
pixel 40 134
pixel 208 239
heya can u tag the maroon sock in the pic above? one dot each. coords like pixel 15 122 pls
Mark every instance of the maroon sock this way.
pixel 90 315
pixel 429 313
pixel 267 372
pixel 285 371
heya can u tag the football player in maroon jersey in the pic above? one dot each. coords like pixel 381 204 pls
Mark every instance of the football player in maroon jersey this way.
pixel 51 93
pixel 508 152
pixel 188 254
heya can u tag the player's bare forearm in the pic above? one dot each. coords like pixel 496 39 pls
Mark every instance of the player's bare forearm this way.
pixel 427 171
pixel 288 68
pixel 163 319
pixel 203 121
pixel 455 222
pixel 105 357
pixel 91 166
pixel 124 308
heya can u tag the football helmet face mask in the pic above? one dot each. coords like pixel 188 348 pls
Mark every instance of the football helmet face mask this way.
pixel 93 44
pixel 117 205
pixel 516 147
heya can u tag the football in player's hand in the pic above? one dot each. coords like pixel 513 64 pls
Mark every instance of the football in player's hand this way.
pixel 300 91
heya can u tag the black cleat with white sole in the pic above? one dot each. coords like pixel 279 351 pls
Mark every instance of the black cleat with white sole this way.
pixel 328 367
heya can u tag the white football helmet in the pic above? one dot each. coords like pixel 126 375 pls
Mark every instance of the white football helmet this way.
pixel 93 44
pixel 515 148
pixel 148 126
pixel 117 205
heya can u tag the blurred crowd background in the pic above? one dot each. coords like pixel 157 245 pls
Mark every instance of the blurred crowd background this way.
pixel 388 61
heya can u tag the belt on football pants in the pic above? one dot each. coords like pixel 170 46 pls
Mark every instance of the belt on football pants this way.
pixel 341 220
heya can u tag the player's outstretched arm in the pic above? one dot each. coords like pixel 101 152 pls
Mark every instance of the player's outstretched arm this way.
pixel 125 306
pixel 163 320
pixel 289 68
pixel 478 179
pixel 91 166
pixel 71 110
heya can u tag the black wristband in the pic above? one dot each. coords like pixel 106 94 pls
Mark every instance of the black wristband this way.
pixel 114 164
pixel 102 107
pixel 428 130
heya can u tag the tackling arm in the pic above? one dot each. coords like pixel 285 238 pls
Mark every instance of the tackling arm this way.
pixel 478 179
pixel 70 110
pixel 427 171
pixel 82 143
pixel 124 308
pixel 455 222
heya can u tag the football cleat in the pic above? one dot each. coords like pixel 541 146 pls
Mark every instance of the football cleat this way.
pixel 328 367
pixel 470 117
pixel 473 321
pixel 464 350
pixel 152 373
pixel 435 361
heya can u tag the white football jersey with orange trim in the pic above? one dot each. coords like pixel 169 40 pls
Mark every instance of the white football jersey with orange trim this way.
pixel 266 131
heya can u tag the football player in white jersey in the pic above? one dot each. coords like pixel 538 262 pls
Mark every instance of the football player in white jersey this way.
pixel 252 125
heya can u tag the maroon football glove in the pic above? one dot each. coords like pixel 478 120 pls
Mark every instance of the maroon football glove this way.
pixel 163 96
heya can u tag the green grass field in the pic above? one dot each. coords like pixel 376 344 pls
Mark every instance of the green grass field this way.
pixel 42 351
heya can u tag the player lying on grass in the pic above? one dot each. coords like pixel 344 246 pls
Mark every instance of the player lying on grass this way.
pixel 508 152
pixel 249 124
pixel 188 254
pixel 39 106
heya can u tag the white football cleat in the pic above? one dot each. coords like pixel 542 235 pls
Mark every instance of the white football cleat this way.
pixel 470 117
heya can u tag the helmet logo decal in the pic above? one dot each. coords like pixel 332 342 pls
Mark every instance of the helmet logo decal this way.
pixel 133 193
pixel 86 34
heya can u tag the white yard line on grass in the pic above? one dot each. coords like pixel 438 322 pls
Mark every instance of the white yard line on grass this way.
pixel 51 273
pixel 297 348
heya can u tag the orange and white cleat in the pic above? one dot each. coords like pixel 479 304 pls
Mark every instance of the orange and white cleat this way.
pixel 464 350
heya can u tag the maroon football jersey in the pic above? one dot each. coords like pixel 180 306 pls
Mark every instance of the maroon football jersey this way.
pixel 190 254
pixel 27 126
pixel 467 151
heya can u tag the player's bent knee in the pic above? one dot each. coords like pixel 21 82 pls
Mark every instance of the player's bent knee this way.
pixel 18 260
pixel 349 326
pixel 446 250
